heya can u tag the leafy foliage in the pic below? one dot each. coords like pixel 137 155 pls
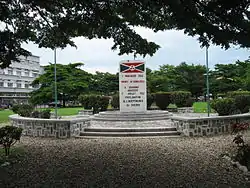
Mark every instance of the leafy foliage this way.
pixel 103 103
pixel 243 152
pixel 242 102
pixel 150 100
pixel 44 114
pixel 97 102
pixel 234 94
pixel 162 99
pixel 9 135
pixel 71 82
pixel 53 24
pixel 180 98
pixel 115 102
pixel 104 83
pixel 225 106
pixel 24 110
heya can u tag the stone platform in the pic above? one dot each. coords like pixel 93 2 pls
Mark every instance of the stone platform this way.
pixel 115 123
pixel 150 115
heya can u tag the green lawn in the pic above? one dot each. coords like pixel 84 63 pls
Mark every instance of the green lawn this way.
pixel 201 107
pixel 61 112
pixel 67 111
pixel 4 115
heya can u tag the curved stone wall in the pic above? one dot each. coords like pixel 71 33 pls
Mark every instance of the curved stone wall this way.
pixel 203 126
pixel 57 128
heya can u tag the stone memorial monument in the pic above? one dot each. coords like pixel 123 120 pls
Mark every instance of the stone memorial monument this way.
pixel 132 86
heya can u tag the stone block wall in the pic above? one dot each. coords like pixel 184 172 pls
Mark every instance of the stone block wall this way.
pixel 186 110
pixel 85 112
pixel 205 126
pixel 57 128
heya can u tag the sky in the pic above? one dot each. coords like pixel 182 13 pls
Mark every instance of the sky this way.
pixel 176 47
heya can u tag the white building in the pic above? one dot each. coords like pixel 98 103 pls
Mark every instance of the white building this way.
pixel 15 81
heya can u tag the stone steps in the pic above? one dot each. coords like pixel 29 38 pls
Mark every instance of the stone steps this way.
pixel 98 118
pixel 114 129
pixel 129 132
pixel 130 116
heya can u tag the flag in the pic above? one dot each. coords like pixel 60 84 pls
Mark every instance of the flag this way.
pixel 132 67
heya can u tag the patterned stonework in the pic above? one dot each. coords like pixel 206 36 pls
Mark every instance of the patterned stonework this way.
pixel 58 128
pixel 203 126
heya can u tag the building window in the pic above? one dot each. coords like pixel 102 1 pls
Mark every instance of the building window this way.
pixel 35 74
pixel 10 72
pixel 1 84
pixel 26 73
pixel 10 84
pixel 26 85
pixel 18 85
pixel 18 73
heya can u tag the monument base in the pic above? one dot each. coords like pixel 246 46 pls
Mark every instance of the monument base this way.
pixel 120 124
pixel 150 115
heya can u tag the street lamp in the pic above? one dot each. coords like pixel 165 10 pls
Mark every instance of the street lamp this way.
pixel 207 81
pixel 55 83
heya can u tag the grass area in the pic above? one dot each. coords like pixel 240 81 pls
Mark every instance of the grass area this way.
pixel 4 115
pixel 67 111
pixel 201 107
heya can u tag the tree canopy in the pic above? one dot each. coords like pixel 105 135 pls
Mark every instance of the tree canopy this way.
pixel 71 82
pixel 53 23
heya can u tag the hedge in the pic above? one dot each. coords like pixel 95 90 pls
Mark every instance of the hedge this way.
pixel 162 99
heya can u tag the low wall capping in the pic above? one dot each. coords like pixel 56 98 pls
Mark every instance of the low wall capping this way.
pixel 205 126
pixel 58 128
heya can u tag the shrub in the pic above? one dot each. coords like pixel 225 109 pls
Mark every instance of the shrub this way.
pixel 45 114
pixel 190 102
pixel 87 101
pixel 103 103
pixel 96 102
pixel 242 103
pixel 9 135
pixel 225 106
pixel 24 110
pixel 243 150
pixel 180 98
pixel 115 102
pixel 150 100
pixel 35 114
pixel 162 99
pixel 15 108
pixel 233 94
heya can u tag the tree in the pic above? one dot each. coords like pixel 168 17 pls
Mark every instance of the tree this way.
pixel 161 80
pixel 190 78
pixel 71 82
pixel 104 83
pixel 230 77
pixel 54 23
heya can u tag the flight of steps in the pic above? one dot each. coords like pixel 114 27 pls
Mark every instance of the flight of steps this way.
pixel 130 124
pixel 129 132
pixel 132 116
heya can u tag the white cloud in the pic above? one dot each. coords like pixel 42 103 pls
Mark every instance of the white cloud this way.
pixel 176 47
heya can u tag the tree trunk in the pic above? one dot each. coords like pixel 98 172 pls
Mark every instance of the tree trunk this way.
pixel 63 98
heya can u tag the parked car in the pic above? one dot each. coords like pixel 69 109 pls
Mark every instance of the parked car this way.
pixel 4 106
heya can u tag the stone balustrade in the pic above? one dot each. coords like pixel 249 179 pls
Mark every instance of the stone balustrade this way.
pixel 203 126
pixel 57 128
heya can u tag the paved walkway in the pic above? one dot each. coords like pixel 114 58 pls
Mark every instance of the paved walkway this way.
pixel 123 162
